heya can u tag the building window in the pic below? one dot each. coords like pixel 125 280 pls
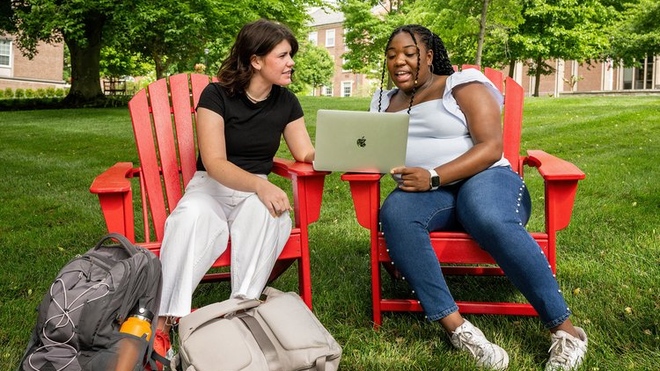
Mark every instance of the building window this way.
pixel 639 77
pixel 313 38
pixel 329 38
pixel 327 91
pixel 5 53
pixel 346 88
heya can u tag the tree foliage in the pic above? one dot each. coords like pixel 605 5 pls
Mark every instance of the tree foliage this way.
pixel 637 33
pixel 559 29
pixel 458 23
pixel 173 34
pixel 314 68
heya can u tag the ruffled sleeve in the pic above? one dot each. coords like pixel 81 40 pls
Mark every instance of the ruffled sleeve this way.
pixel 464 77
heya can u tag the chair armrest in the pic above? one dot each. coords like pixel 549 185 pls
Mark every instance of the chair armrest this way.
pixel 113 188
pixel 365 191
pixel 561 180
pixel 307 186
pixel 553 168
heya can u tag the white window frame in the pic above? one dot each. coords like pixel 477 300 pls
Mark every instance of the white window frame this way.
pixel 313 38
pixel 330 38
pixel 347 85
pixel 326 91
pixel 5 52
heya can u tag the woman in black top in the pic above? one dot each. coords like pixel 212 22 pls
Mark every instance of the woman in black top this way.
pixel 240 121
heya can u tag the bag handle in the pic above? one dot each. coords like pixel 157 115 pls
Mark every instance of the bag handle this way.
pixel 191 322
pixel 123 241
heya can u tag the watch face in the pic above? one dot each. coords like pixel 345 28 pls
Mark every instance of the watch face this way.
pixel 435 181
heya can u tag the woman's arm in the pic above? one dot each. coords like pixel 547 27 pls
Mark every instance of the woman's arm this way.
pixel 298 140
pixel 484 121
pixel 483 116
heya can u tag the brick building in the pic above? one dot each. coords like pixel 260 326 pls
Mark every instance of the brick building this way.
pixel 570 77
pixel 573 77
pixel 328 32
pixel 45 70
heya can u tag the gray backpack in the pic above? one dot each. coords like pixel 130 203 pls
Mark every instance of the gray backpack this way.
pixel 79 317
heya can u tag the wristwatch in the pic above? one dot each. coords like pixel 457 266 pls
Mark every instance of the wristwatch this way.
pixel 435 180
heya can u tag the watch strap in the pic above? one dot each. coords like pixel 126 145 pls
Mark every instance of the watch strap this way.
pixel 434 182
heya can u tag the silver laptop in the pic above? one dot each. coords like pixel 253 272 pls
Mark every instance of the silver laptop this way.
pixel 360 141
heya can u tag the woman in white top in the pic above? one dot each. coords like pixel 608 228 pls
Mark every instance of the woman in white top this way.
pixel 456 178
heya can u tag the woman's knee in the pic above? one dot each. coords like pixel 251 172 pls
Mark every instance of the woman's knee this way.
pixel 197 209
pixel 394 207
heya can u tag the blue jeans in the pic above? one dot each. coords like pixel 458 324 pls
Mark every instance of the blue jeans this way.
pixel 493 207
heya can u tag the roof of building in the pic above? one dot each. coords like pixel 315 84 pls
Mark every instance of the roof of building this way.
pixel 321 16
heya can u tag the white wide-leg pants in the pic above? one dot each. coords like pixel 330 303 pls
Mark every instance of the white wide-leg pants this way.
pixel 197 232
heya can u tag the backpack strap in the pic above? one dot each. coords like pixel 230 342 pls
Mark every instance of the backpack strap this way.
pixel 155 357
pixel 123 242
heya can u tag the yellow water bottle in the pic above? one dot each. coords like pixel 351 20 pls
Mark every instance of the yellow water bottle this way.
pixel 138 323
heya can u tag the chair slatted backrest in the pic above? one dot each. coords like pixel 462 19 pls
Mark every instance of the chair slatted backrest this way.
pixel 163 117
pixel 514 97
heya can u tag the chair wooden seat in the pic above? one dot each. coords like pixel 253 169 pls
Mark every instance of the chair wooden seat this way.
pixel 457 251
pixel 163 117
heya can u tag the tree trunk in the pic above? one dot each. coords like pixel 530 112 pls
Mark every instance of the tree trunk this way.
pixel 85 68
pixel 512 66
pixel 537 76
pixel 482 33
pixel 160 67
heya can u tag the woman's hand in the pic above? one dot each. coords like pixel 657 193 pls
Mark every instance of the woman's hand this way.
pixel 275 199
pixel 413 179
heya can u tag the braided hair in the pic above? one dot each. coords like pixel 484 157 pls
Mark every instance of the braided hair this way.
pixel 440 64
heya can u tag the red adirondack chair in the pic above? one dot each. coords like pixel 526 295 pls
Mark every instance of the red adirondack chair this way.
pixel 459 254
pixel 163 116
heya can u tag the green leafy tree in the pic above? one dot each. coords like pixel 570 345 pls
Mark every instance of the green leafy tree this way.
pixel 181 31
pixel 80 25
pixel 474 32
pixel 368 25
pixel 314 68
pixel 636 34
pixel 116 64
pixel 559 29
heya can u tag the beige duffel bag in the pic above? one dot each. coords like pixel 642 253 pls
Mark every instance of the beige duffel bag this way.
pixel 277 334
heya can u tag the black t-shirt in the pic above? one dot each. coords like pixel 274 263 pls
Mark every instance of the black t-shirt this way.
pixel 252 130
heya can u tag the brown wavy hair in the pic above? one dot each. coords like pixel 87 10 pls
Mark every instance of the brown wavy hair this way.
pixel 255 38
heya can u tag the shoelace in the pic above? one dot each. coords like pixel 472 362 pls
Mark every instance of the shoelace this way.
pixel 474 344
pixel 560 350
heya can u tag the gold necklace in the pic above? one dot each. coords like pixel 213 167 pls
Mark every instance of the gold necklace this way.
pixel 253 99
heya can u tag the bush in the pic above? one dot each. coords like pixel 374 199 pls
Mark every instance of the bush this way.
pixel 41 93
pixel 30 104
pixel 58 93
pixel 9 93
pixel 19 93
pixel 50 92
pixel 29 93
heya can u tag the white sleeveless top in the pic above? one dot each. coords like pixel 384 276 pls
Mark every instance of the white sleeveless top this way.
pixel 438 131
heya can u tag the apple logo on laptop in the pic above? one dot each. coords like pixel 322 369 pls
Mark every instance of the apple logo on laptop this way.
pixel 362 142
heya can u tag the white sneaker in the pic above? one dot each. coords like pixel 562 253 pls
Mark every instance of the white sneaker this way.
pixel 566 351
pixel 467 337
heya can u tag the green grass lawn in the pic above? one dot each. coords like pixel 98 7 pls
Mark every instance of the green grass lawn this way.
pixel 608 258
